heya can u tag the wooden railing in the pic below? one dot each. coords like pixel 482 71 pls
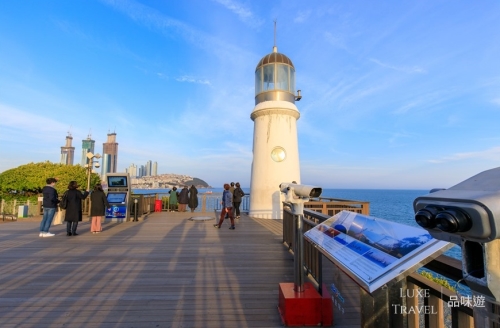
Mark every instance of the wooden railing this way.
pixel 332 206
pixel 377 309
pixel 12 207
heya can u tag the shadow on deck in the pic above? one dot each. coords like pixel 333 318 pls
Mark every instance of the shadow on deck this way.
pixel 165 271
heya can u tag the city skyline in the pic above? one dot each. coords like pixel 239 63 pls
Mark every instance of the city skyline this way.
pixel 394 95
pixel 110 148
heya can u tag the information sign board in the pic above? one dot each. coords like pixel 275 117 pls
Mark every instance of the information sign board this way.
pixel 374 252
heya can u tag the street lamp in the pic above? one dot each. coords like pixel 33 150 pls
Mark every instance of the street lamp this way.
pixel 90 165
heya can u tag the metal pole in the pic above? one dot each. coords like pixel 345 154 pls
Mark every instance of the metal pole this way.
pixel 89 169
pixel 135 210
pixel 90 165
pixel 299 255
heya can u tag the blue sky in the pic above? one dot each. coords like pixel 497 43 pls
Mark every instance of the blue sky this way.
pixel 396 94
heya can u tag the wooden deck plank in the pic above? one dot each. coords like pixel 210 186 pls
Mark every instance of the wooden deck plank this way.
pixel 166 271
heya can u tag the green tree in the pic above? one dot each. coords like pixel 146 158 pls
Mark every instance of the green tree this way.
pixel 29 179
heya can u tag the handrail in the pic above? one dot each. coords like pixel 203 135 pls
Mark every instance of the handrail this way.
pixel 206 202
pixel 146 204
pixel 461 316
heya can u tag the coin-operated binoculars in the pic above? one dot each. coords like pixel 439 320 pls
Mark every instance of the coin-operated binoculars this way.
pixel 296 195
pixel 468 214
pixel 299 304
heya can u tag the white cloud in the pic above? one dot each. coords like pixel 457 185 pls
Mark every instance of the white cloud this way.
pixel 488 154
pixel 162 76
pixel 244 13
pixel 302 16
pixel 410 70
pixel 336 40
pixel 168 26
pixel 405 108
pixel 186 78
pixel 31 124
pixel 496 101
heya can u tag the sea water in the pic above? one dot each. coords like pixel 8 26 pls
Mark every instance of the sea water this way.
pixel 388 204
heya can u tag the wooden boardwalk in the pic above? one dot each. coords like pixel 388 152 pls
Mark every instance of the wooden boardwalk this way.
pixel 165 271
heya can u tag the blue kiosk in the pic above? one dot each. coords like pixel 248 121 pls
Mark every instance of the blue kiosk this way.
pixel 118 197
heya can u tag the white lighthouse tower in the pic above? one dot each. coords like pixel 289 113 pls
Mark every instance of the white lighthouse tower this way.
pixel 275 147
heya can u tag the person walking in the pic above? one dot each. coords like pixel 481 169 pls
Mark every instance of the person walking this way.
pixel 172 200
pixel 98 205
pixel 237 196
pixel 183 199
pixel 193 198
pixel 227 207
pixel 49 203
pixel 74 208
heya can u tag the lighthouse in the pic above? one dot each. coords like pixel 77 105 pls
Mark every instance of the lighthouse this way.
pixel 275 146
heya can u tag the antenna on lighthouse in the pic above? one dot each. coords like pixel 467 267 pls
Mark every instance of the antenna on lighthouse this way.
pixel 275 48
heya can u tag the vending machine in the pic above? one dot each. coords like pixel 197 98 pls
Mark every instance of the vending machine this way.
pixel 118 196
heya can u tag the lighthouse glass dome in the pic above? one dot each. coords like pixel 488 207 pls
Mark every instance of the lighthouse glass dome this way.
pixel 275 78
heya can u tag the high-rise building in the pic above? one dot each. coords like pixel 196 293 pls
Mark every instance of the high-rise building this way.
pixel 68 151
pixel 148 168
pixel 141 171
pixel 87 146
pixel 132 170
pixel 109 155
pixel 155 169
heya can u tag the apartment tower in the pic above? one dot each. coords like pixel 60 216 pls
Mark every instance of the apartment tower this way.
pixel 68 151
pixel 109 155
pixel 87 146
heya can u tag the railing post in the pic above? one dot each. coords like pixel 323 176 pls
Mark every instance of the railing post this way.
pixel 464 320
pixel 412 303
pixel 436 318
pixel 383 307
pixel 39 205
pixel 204 203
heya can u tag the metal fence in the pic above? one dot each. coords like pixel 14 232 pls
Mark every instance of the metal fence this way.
pixel 206 203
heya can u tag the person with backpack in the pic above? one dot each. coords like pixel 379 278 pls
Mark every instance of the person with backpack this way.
pixel 237 196
pixel 49 203
pixel 74 207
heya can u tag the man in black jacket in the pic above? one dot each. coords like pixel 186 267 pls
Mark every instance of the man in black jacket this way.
pixel 50 201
